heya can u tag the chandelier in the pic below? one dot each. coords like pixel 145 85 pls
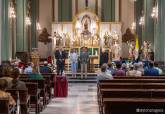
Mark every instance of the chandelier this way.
pixel 142 21
pixel 38 26
pixel 12 11
pixel 27 20
pixel 133 26
pixel 154 13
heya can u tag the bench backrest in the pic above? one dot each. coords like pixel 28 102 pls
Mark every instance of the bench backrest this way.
pixel 4 106
pixel 23 95
pixel 139 77
pixel 41 82
pixel 132 85
pixel 32 88
pixel 133 93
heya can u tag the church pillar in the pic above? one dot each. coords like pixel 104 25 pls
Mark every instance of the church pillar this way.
pixel 160 33
pixel 0 29
pixel 34 22
pixel 20 25
pixel 138 13
pixel 149 22
pixel 5 31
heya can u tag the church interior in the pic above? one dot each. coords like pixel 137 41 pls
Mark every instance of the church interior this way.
pixel 82 57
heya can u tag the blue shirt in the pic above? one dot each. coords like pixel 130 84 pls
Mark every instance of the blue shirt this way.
pixel 112 71
pixel 45 69
pixel 151 72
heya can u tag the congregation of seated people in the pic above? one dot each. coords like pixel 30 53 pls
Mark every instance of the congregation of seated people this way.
pixel 129 69
pixel 10 74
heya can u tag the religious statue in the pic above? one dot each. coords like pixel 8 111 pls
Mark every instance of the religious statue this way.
pixel 132 50
pixel 76 41
pixel 86 34
pixel 116 51
pixel 86 25
pixel 67 40
pixel 128 36
pixel 146 50
pixel 106 39
pixel 44 36
pixel 35 59
pixel 58 38
pixel 96 40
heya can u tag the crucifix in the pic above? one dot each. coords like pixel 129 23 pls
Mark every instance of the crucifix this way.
pixel 86 3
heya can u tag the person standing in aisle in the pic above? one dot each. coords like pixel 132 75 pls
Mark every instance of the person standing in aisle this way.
pixel 84 58
pixel 73 60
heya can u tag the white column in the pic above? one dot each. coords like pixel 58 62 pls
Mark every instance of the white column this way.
pixel 0 28
pixel 117 10
pixel 56 10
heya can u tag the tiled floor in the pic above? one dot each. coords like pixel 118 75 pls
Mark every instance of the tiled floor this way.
pixel 82 99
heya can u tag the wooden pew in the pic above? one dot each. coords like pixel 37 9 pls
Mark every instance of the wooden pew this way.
pixel 48 85
pixel 129 86
pixel 41 86
pixel 24 98
pixel 132 85
pixel 130 93
pixel 107 87
pixel 34 93
pixel 4 106
pixel 134 105
pixel 139 77
pixel 133 81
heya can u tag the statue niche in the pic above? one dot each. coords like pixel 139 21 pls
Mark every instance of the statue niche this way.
pixel 106 39
pixel 86 34
pixel 128 36
pixel 44 36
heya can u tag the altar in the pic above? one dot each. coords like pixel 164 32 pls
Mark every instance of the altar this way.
pixel 87 30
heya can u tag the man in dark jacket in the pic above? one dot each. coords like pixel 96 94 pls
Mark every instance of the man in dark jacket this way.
pixel 16 83
pixel 60 56
pixel 104 57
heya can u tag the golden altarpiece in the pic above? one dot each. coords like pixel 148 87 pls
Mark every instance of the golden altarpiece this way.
pixel 88 30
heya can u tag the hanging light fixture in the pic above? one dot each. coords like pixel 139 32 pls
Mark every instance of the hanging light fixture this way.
pixel 142 21
pixel 12 11
pixel 38 26
pixel 27 20
pixel 154 13
pixel 133 26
